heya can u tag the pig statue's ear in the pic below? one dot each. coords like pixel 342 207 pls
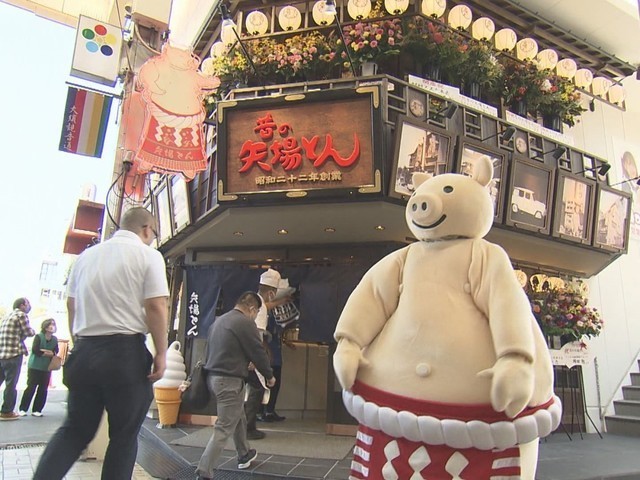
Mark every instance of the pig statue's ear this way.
pixel 483 171
pixel 419 178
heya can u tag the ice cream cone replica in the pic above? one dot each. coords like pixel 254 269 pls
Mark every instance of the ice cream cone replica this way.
pixel 168 396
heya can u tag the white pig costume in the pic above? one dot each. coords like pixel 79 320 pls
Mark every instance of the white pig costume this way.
pixel 439 355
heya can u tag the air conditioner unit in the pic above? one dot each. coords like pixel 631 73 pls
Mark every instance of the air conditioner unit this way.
pixel 151 13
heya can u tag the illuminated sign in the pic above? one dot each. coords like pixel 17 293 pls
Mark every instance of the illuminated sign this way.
pixel 297 145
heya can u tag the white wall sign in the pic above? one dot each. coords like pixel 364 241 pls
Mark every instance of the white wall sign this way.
pixel 96 56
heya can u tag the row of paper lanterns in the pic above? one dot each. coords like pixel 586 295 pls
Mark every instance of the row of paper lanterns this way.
pixel 460 17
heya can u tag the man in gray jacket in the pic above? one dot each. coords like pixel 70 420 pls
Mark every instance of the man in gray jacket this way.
pixel 232 344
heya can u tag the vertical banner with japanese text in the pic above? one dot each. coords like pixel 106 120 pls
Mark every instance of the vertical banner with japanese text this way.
pixel 203 289
pixel 84 126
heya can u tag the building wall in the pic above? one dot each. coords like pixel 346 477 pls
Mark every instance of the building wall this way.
pixel 616 290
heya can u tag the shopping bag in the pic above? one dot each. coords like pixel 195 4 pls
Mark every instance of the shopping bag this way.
pixel 55 363
pixel 197 394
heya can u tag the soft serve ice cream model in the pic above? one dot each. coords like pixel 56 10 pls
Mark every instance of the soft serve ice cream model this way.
pixel 167 390
pixel 439 355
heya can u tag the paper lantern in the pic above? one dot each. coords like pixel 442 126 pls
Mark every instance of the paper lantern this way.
pixel 218 49
pixel 256 23
pixel 483 28
pixel 227 35
pixel 290 18
pixel 320 15
pixel 505 40
pixel 616 94
pixel 547 59
pixel 566 68
pixel 460 17
pixel 433 8
pixel 206 67
pixel 600 86
pixel 583 78
pixel 396 7
pixel 526 49
pixel 359 9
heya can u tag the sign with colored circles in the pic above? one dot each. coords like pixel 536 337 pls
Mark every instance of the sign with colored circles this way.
pixel 97 51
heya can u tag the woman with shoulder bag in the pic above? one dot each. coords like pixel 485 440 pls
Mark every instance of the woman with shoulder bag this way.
pixel 44 349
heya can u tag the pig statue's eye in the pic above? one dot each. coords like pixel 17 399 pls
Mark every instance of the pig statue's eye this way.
pixel 447 189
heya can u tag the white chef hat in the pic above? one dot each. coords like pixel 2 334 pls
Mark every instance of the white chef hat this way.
pixel 270 278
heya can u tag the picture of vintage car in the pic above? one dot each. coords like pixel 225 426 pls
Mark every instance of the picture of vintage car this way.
pixel 523 200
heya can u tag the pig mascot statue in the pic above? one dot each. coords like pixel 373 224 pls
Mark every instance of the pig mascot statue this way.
pixel 439 355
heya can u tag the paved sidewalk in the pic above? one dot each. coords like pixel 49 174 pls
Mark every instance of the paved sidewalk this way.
pixel 19 464
pixel 22 441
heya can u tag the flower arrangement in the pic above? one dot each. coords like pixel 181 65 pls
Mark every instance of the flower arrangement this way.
pixel 370 41
pixel 521 82
pixel 480 66
pixel 298 58
pixel 564 311
pixel 434 44
pixel 559 97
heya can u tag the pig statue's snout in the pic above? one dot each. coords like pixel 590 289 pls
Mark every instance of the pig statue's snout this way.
pixel 425 208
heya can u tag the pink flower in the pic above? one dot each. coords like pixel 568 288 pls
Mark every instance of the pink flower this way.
pixel 373 44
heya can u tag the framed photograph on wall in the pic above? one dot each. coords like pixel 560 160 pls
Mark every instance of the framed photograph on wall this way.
pixel 469 152
pixel 419 147
pixel 529 195
pixel 613 212
pixel 573 208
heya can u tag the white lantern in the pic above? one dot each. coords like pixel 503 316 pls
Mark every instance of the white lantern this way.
pixel 206 66
pixel 290 18
pixel 460 17
pixel 433 8
pixel 600 86
pixel 396 7
pixel 320 15
pixel 505 40
pixel 256 23
pixel 359 9
pixel 227 35
pixel 547 59
pixel 218 49
pixel 526 49
pixel 616 94
pixel 483 28
pixel 583 78
pixel 566 68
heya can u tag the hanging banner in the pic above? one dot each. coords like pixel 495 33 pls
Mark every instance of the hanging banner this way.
pixel 96 56
pixel 203 289
pixel 84 126
pixel 172 139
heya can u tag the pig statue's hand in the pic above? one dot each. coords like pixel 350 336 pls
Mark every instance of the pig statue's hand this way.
pixel 512 384
pixel 346 361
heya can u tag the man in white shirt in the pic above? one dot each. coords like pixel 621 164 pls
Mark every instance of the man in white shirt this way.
pixel 117 292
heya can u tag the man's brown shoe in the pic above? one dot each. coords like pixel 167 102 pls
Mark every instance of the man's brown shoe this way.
pixel 9 416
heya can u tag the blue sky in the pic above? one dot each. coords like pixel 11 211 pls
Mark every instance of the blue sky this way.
pixel 41 185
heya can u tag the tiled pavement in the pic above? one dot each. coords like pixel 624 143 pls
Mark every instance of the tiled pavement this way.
pixel 19 464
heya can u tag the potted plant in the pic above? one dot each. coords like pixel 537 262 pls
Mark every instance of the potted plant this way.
pixel 559 102
pixel 370 41
pixel 437 49
pixel 479 70
pixel 562 311
pixel 520 85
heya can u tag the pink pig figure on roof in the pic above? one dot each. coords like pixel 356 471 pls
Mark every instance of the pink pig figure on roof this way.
pixel 172 138
pixel 441 360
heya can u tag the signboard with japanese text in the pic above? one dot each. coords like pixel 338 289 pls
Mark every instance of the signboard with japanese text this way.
pixel 319 142
pixel 572 354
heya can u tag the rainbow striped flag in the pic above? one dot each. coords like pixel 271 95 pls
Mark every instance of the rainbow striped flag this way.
pixel 86 116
